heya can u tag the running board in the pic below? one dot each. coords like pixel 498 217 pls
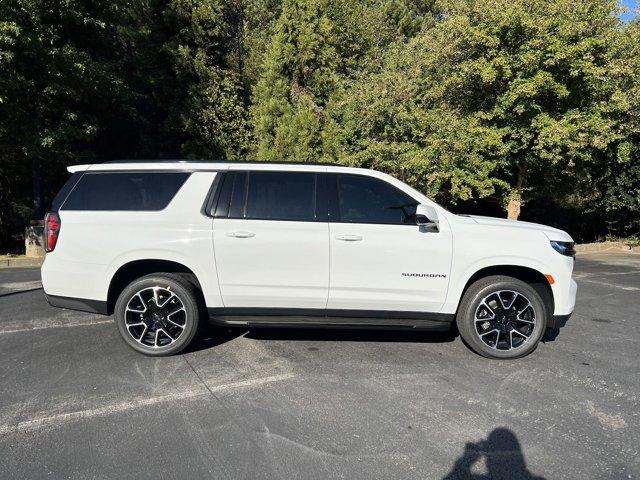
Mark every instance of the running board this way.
pixel 298 317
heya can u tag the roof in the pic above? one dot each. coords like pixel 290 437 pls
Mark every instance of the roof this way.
pixel 200 165
pixel 218 162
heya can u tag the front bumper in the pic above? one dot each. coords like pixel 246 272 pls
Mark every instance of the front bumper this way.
pixel 573 291
pixel 560 320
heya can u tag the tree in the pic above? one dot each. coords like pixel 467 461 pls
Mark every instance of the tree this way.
pixel 83 82
pixel 318 48
pixel 298 77
pixel 504 101
pixel 614 192
pixel 526 85
pixel 49 87
pixel 211 115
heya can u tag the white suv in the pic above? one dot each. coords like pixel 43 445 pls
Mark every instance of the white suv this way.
pixel 165 245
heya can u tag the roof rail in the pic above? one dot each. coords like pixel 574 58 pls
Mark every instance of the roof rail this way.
pixel 277 162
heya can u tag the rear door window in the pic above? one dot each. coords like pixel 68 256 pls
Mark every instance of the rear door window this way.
pixel 265 195
pixel 281 196
pixel 142 191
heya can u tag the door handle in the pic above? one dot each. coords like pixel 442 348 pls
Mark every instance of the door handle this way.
pixel 241 234
pixel 349 238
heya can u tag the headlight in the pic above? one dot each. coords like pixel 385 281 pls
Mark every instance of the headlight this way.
pixel 564 248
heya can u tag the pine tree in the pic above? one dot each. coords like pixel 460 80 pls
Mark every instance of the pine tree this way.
pixel 298 78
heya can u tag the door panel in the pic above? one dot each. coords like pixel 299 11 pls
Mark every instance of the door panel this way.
pixel 272 242
pixel 264 263
pixel 392 267
pixel 380 258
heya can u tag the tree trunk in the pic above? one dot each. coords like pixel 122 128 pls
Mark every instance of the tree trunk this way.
pixel 515 199
pixel 513 207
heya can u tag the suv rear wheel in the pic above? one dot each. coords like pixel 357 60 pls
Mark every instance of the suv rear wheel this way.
pixel 158 314
pixel 502 317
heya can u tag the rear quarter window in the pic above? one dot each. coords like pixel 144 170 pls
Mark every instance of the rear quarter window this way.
pixel 60 197
pixel 142 191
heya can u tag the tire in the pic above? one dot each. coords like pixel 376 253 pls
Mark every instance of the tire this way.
pixel 159 314
pixel 494 337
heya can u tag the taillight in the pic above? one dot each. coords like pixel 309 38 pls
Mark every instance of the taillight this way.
pixel 51 231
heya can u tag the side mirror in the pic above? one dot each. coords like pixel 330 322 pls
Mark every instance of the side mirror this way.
pixel 426 216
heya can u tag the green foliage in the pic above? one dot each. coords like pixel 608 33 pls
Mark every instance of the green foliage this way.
pixel 616 177
pixel 89 81
pixel 495 101
pixel 383 123
pixel 318 49
pixel 49 81
pixel 298 77
pixel 212 116
pixel 491 97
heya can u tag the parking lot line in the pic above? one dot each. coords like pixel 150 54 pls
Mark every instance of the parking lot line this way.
pixel 62 418
pixel 56 324
pixel 21 285
pixel 585 278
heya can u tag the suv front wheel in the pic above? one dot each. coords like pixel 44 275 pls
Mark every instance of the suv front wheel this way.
pixel 158 314
pixel 502 317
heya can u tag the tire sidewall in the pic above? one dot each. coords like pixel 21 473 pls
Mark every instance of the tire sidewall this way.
pixel 473 297
pixel 186 296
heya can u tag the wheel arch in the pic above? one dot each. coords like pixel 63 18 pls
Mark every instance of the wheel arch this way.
pixel 134 269
pixel 529 275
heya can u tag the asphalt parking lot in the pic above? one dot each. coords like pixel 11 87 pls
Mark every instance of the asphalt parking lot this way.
pixel 76 402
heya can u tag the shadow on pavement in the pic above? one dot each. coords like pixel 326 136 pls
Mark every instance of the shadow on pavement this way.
pixel 212 336
pixel 351 335
pixel 550 335
pixel 503 457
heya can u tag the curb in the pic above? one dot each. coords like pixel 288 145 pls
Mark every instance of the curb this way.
pixel 599 247
pixel 18 262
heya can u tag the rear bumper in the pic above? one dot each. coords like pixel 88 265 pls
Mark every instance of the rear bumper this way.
pixel 72 279
pixel 80 304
